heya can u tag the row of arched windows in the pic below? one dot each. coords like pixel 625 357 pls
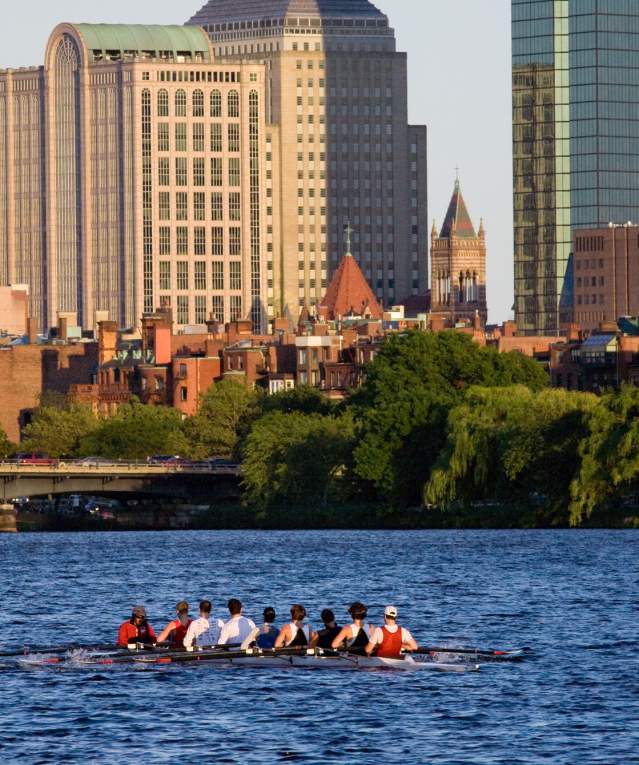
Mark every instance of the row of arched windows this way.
pixel 198 103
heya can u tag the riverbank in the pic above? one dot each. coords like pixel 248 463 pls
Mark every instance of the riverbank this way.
pixel 347 516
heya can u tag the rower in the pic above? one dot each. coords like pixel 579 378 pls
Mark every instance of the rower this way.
pixel 238 629
pixel 204 631
pixel 176 630
pixel 136 629
pixel 388 641
pixel 356 636
pixel 268 630
pixel 330 631
pixel 296 633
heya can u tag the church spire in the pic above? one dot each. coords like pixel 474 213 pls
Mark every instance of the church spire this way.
pixel 457 220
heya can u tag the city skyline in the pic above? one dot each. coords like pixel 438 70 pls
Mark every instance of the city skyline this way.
pixel 456 136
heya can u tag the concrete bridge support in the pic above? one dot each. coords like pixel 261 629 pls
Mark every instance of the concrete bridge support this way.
pixel 7 519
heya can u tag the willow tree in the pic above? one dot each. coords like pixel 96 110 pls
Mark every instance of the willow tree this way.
pixel 512 444
pixel 609 456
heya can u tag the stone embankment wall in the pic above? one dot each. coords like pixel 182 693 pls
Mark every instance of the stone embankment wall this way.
pixel 7 519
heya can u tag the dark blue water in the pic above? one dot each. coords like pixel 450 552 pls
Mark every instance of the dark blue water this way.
pixel 573 596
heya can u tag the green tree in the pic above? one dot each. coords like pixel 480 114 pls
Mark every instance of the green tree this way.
pixel 512 444
pixel 6 447
pixel 609 456
pixel 295 459
pixel 58 428
pixel 136 432
pixel 402 409
pixel 303 399
pixel 215 429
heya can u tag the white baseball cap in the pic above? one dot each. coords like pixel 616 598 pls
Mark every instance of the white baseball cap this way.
pixel 390 611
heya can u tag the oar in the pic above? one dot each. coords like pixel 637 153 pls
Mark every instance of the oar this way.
pixel 492 652
pixel 26 649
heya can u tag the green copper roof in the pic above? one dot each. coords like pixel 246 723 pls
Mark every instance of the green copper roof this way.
pixel 457 218
pixel 147 38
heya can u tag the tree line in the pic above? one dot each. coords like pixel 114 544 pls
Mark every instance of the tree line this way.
pixel 440 424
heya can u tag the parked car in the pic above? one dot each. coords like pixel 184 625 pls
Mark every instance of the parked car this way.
pixel 162 459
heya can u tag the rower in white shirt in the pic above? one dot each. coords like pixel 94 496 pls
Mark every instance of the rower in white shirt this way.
pixel 238 629
pixel 203 631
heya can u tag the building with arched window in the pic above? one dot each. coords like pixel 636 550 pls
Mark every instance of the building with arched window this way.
pixel 131 178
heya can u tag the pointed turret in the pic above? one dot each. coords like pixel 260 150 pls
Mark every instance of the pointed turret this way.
pixel 457 221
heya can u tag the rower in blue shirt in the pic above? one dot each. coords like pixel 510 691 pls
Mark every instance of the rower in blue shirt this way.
pixel 268 630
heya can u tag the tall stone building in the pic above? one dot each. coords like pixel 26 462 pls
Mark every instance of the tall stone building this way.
pixel 132 168
pixel 458 265
pixel 339 145
pixel 576 142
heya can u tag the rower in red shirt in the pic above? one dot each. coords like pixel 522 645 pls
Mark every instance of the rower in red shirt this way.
pixel 176 630
pixel 388 641
pixel 136 630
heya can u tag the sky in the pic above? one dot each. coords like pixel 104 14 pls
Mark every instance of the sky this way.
pixel 459 85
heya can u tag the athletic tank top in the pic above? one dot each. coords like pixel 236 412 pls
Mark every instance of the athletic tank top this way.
pixel 391 645
pixel 179 632
pixel 361 636
pixel 301 636
pixel 327 635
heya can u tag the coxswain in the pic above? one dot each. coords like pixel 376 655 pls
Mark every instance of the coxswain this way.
pixel 238 629
pixel 268 630
pixel 296 633
pixel 356 636
pixel 330 630
pixel 136 629
pixel 390 640
pixel 203 631
pixel 175 631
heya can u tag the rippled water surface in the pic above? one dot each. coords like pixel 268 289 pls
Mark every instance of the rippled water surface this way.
pixel 572 596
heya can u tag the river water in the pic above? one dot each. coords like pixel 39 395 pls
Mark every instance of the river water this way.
pixel 572 596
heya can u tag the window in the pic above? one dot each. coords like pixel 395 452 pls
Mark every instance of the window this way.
pixel 180 136
pixel 234 205
pixel 164 174
pixel 217 211
pixel 183 318
pixel 198 136
pixel 165 241
pixel 182 275
pixel 198 171
pixel 181 172
pixel 235 241
pixel 181 205
pixel 216 171
pixel 198 103
pixel 163 103
pixel 199 205
pixel 200 309
pixel 217 307
pixel 216 137
pixel 165 205
pixel 180 104
pixel 163 136
pixel 235 275
pixel 218 275
pixel 233 104
pixel 199 240
pixel 184 394
pixel 216 104
pixel 182 233
pixel 217 238
pixel 234 171
pixel 236 307
pixel 200 275
pixel 234 136
pixel 165 275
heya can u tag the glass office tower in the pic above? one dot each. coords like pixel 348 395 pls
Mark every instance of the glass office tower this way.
pixel 575 140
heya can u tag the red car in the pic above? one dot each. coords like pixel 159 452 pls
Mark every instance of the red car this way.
pixel 35 459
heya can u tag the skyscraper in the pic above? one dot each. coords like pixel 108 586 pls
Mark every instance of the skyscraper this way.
pixel 339 146
pixel 575 140
pixel 132 177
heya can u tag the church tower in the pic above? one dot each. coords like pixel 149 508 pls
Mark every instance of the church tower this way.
pixel 458 266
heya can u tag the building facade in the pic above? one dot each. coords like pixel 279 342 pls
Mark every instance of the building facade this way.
pixel 131 178
pixel 339 144
pixel 458 266
pixel 576 141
